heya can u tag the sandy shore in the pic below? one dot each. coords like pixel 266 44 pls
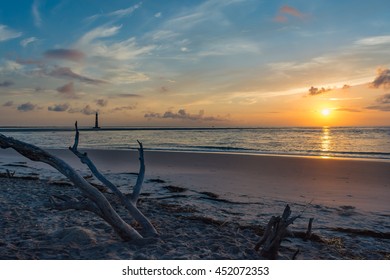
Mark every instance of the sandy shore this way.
pixel 205 206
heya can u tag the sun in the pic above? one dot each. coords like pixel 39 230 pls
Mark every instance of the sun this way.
pixel 325 112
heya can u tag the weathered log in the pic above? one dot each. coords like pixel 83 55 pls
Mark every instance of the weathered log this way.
pixel 130 205
pixel 274 233
pixel 124 230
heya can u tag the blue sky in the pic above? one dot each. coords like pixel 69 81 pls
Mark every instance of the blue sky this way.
pixel 195 63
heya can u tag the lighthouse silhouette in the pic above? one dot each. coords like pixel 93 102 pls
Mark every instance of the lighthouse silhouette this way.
pixel 96 121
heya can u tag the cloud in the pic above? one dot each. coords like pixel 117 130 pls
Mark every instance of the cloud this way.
pixel 230 47
pixel 128 95
pixel 384 99
pixel 67 54
pixel 9 66
pixel 27 107
pixel 28 41
pixel 6 84
pixel 383 79
pixel 99 32
pixel 7 34
pixel 382 103
pixel 121 50
pixel 124 108
pixel 183 115
pixel 36 14
pixel 316 91
pixel 29 62
pixel 101 102
pixel 8 104
pixel 125 12
pixel 123 75
pixel 285 11
pixel 373 41
pixel 66 73
pixel 87 110
pixel 59 107
pixel 351 110
pixel 158 15
pixel 345 87
pixel 118 13
pixel 68 91
pixel 208 11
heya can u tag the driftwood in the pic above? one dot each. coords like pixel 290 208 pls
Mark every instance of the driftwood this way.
pixel 96 202
pixel 274 233
pixel 129 204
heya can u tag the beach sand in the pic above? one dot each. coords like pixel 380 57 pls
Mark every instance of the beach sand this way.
pixel 204 205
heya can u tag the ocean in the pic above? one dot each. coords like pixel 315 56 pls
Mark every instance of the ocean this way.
pixel 343 142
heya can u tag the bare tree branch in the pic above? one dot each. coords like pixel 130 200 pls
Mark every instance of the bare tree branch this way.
pixel 141 174
pixel 130 205
pixel 124 230
pixel 62 203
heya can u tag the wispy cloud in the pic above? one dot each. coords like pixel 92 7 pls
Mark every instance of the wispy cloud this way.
pixel 59 107
pixel 121 50
pixel 7 33
pixel 125 12
pixel 183 115
pixel 211 10
pixel 67 73
pixel 98 32
pixel 373 41
pixel 36 14
pixel 128 95
pixel 230 47
pixel 25 42
pixel 122 75
pixel 285 11
pixel 382 103
pixel 117 13
pixel 68 91
pixel 350 110
pixel 67 54
pixel 6 84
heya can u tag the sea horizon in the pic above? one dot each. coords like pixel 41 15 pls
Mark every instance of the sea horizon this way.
pixel 366 142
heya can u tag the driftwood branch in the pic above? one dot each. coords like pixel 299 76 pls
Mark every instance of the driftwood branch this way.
pixel 308 232
pixel 66 203
pixel 274 234
pixel 130 205
pixel 124 230
pixel 141 174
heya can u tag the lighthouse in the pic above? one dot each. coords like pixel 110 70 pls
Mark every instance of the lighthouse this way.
pixel 96 121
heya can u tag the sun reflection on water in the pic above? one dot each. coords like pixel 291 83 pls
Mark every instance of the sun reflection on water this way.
pixel 325 141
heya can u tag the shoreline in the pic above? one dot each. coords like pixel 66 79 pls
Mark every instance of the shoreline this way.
pixel 205 206
pixel 365 183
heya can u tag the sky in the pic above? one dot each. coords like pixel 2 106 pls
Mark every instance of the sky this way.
pixel 195 63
